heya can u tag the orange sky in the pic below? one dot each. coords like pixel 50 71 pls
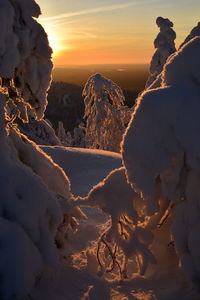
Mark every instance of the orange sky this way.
pixel 111 31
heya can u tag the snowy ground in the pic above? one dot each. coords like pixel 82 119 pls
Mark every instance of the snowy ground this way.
pixel 84 167
pixel 78 282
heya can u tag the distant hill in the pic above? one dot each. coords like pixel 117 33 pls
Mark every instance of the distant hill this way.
pixel 130 77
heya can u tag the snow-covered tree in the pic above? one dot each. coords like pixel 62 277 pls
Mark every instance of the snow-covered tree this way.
pixel 164 45
pixel 79 136
pixel 24 57
pixel 35 193
pixel 65 138
pixel 104 102
pixel 25 68
pixel 161 153
pixel 126 236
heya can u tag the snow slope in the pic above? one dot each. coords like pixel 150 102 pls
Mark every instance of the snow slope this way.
pixel 92 165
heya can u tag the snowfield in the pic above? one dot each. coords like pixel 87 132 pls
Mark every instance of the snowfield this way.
pixel 93 165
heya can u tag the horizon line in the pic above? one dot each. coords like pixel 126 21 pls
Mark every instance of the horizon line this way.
pixel 98 64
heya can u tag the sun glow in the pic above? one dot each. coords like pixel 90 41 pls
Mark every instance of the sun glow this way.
pixel 57 43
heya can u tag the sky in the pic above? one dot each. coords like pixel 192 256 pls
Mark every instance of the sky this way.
pixel 83 32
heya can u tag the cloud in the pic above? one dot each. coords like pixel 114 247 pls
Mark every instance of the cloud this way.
pixel 96 10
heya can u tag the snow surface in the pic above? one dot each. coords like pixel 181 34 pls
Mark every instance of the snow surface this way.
pixel 93 165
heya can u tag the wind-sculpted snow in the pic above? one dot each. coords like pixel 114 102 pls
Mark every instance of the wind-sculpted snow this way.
pixel 161 152
pixel 164 44
pixel 24 56
pixel 104 113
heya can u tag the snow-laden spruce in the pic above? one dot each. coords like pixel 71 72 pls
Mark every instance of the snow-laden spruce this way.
pixel 164 45
pixel 30 209
pixel 35 197
pixel 161 153
pixel 24 56
pixel 104 113
pixel 79 136
pixel 25 68
pixel 65 138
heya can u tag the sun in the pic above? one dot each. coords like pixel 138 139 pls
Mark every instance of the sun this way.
pixel 57 43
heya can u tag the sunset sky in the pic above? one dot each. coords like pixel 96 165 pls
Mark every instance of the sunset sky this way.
pixel 111 31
